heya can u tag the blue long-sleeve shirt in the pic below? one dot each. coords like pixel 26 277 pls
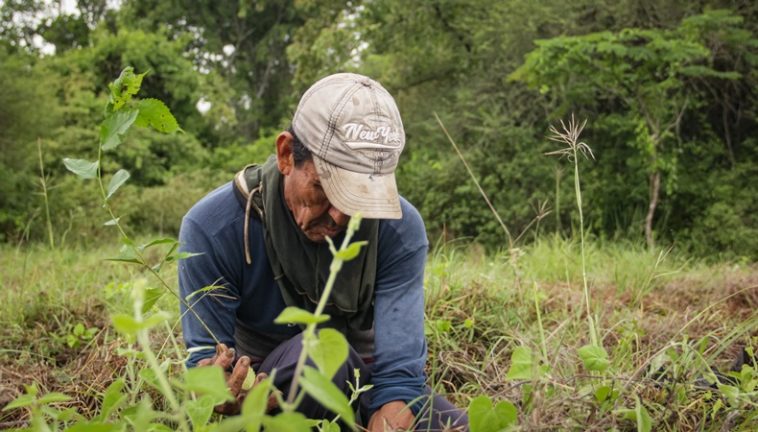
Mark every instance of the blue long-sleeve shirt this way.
pixel 250 296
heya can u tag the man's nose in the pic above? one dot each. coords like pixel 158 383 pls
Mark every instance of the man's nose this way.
pixel 338 217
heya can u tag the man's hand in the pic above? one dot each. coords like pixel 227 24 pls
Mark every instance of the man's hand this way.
pixel 224 358
pixel 392 416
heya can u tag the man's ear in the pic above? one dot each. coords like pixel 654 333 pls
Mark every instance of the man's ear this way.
pixel 285 159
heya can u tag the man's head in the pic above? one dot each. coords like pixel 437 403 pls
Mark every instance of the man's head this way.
pixel 340 155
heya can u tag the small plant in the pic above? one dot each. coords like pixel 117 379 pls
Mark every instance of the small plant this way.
pixel 80 334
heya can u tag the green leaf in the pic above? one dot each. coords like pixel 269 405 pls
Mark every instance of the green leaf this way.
pixel 200 410
pixel 117 180
pixel 594 358
pixel 295 315
pixel 249 379
pixel 644 422
pixel 323 390
pixel 208 380
pixel 126 254
pixel 287 422
pixel 54 398
pixel 254 406
pixel 125 324
pixel 152 295
pixel 83 168
pixel 20 402
pixel 149 376
pixel 521 364
pixel 483 417
pixel 351 251
pixel 605 393
pixel 329 351
pixel 155 319
pixel 124 87
pixel 114 126
pixel 112 399
pixel 160 241
pixel 732 394
pixel 155 114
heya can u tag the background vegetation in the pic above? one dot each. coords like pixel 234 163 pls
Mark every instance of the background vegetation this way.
pixel 668 88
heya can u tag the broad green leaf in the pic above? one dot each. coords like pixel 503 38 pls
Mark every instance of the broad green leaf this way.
pixel 125 324
pixel 148 375
pixel 287 422
pixel 208 380
pixel 140 416
pixel 20 402
pixel 604 393
pixel 200 410
pixel 329 352
pixel 594 358
pixel 53 398
pixel 254 406
pixel 152 295
pixel 323 390
pixel 155 319
pixel 351 251
pixel 483 417
pixel 155 114
pixel 124 87
pixel 295 315
pixel 644 422
pixel 114 126
pixel 117 180
pixel 83 168
pixel 112 398
pixel 732 394
pixel 231 424
pixel 521 364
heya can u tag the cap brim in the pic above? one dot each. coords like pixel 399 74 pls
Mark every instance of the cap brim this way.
pixel 374 196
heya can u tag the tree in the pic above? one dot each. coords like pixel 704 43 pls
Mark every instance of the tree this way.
pixel 650 73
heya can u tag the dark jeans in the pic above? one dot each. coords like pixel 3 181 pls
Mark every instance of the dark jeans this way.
pixel 436 412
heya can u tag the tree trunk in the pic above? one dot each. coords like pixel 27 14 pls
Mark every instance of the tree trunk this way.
pixel 655 190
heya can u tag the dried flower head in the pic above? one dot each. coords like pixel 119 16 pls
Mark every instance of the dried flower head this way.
pixel 570 137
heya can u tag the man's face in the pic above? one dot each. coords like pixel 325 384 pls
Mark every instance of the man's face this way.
pixel 312 211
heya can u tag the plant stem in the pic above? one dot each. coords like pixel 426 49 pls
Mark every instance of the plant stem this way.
pixel 43 182
pixel 543 344
pixel 310 329
pixel 578 190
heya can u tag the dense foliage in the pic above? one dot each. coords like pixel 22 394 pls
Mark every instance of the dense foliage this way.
pixel 668 89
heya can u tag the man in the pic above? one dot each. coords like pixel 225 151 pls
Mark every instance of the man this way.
pixel 262 238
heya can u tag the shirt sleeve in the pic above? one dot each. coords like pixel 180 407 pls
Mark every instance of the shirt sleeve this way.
pixel 205 313
pixel 400 345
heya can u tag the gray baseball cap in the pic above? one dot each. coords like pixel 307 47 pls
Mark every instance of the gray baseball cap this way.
pixel 352 126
